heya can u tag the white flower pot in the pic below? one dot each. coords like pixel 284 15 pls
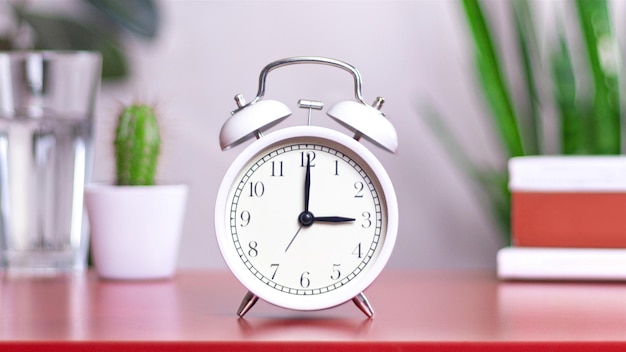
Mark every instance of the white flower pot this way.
pixel 135 230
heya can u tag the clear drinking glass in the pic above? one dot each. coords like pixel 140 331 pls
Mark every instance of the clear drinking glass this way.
pixel 47 102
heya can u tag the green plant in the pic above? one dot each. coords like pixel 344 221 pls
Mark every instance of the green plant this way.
pixel 589 118
pixel 99 26
pixel 137 146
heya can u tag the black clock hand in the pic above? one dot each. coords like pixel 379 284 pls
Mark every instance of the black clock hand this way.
pixel 307 183
pixel 332 219
pixel 306 217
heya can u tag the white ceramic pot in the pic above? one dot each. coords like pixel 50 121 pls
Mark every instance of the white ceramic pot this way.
pixel 135 230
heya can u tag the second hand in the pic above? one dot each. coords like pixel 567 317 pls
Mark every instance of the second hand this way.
pixel 293 238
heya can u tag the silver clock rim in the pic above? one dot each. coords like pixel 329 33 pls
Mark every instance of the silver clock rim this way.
pixel 306 302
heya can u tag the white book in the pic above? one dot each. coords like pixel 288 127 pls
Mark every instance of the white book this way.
pixel 532 263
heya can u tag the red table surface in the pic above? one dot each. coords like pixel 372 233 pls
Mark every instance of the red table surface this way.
pixel 415 310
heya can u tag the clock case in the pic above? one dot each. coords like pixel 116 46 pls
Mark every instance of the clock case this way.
pixel 252 119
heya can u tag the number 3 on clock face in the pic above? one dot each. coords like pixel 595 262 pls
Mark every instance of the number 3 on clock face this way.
pixel 306 218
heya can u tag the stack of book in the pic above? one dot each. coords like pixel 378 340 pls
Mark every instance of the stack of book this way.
pixel 568 219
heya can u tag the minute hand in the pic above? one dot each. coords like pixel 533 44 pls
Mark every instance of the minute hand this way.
pixel 332 219
pixel 307 183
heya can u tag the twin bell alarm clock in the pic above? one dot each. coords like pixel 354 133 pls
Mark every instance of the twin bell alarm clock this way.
pixel 306 217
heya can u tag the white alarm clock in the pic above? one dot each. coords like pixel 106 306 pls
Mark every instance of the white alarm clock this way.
pixel 306 217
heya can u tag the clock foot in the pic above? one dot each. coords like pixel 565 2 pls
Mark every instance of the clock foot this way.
pixel 248 301
pixel 361 301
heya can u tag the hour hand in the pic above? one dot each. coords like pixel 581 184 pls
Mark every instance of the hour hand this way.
pixel 332 219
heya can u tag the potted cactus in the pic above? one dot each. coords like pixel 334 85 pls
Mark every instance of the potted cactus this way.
pixel 135 223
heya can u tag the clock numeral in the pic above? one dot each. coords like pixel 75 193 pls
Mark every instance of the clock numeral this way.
pixel 277 168
pixel 275 267
pixel 257 189
pixel 304 280
pixel 336 273
pixel 359 189
pixel 367 221
pixel 336 167
pixel 303 157
pixel 245 218
pixel 253 251
pixel 357 251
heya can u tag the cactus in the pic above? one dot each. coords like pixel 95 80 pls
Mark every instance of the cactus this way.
pixel 137 146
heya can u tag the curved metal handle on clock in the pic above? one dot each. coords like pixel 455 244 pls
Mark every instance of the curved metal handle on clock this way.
pixel 365 121
pixel 310 60
pixel 362 119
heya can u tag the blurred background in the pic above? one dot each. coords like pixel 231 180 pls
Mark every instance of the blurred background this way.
pixel 419 55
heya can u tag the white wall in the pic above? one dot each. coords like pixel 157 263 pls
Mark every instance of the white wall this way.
pixel 407 51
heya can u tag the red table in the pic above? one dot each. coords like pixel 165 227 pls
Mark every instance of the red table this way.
pixel 415 310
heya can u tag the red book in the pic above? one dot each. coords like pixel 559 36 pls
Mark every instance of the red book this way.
pixel 568 202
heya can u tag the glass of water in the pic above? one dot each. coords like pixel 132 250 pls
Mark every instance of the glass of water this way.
pixel 47 103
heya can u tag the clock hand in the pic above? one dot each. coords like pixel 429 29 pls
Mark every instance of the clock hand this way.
pixel 307 219
pixel 307 183
pixel 293 238
pixel 332 219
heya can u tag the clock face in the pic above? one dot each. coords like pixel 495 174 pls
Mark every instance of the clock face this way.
pixel 305 219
